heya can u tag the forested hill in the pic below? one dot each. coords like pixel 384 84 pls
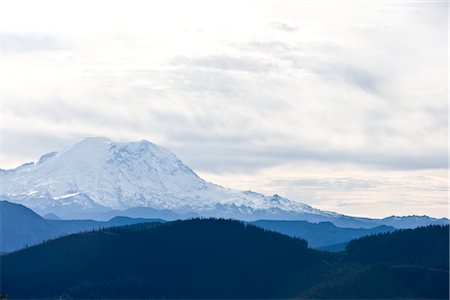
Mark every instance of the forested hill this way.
pixel 426 246
pixel 200 258
pixel 214 258
pixel 20 226
pixel 410 263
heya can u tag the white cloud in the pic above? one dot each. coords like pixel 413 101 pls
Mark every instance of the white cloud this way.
pixel 234 88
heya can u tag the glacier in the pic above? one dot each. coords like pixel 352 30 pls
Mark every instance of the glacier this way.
pixel 97 175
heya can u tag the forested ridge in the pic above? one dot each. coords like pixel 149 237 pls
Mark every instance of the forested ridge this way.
pixel 216 258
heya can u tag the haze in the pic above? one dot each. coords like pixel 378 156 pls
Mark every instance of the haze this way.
pixel 344 109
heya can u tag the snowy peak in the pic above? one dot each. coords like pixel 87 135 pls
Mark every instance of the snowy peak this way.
pixel 96 156
pixel 97 175
pixel 46 156
pixel 103 173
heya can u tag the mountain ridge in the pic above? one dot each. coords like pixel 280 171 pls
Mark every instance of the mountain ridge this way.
pixel 227 259
pixel 96 174
pixel 21 227
pixel 96 177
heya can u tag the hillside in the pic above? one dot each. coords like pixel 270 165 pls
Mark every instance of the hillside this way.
pixel 194 259
pixel 411 263
pixel 424 246
pixel 21 227
pixel 20 230
pixel 76 226
pixel 210 258
pixel 319 234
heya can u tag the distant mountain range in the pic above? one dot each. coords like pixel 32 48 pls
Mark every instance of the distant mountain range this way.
pixel 21 227
pixel 100 179
pixel 225 259
pixel 320 234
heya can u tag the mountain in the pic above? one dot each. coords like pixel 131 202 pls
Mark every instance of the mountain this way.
pixel 319 234
pixel 97 175
pixel 334 248
pixel 27 228
pixel 425 246
pixel 411 221
pixel 100 179
pixel 51 216
pixel 21 227
pixel 184 259
pixel 408 264
pixel 76 226
pixel 143 212
pixel 225 259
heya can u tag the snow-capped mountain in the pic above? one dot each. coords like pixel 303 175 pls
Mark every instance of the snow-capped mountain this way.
pixel 97 174
pixel 99 178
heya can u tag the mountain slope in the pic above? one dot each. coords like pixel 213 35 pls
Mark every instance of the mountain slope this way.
pixel 97 175
pixel 209 258
pixel 320 234
pixel 411 221
pixel 408 264
pixel 21 227
pixel 101 179
pixel 183 259
pixel 18 231
pixel 76 226
pixel 426 246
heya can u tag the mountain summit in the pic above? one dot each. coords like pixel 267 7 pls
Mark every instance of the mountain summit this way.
pixel 99 178
pixel 97 174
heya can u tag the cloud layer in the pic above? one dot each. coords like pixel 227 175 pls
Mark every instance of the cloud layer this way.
pixel 241 89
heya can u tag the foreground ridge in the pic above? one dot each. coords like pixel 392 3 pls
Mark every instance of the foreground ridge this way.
pixel 226 259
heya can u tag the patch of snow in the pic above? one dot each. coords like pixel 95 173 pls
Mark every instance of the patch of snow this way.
pixel 66 196
pixel 96 173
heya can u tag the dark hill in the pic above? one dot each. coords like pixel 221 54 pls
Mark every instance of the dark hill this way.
pixel 319 234
pixel 411 263
pixel 423 246
pixel 210 258
pixel 200 258
pixel 76 226
pixel 21 227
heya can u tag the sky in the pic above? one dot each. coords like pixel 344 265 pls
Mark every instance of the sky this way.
pixel 342 105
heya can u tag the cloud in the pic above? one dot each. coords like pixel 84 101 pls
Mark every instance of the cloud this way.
pixel 225 63
pixel 246 120
pixel 349 188
pixel 333 184
pixel 16 145
pixel 17 43
pixel 283 27
pixel 294 85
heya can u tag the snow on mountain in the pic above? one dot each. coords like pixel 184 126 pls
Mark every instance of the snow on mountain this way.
pixel 98 178
pixel 411 221
pixel 97 174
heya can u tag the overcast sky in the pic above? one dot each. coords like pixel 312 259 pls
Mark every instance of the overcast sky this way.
pixel 340 105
